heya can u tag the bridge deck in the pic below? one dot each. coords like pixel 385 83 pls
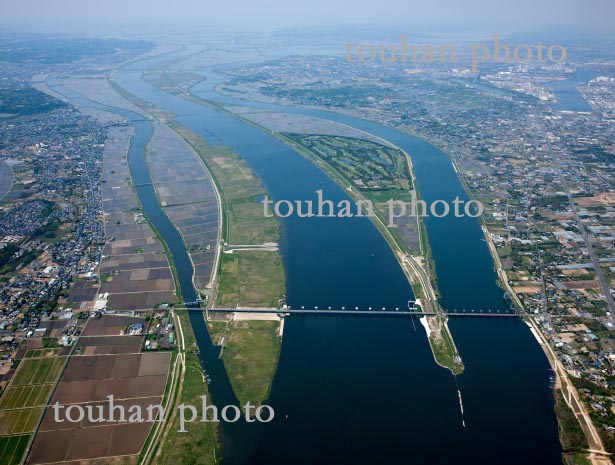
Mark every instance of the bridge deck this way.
pixel 351 312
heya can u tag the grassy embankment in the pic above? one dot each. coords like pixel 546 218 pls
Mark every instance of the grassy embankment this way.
pixel 258 339
pixel 247 278
pixel 572 436
pixel 199 444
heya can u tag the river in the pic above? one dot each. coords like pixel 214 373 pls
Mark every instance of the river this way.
pixel 359 390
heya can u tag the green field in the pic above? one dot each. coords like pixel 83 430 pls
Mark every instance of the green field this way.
pixel 247 278
pixel 32 353
pixel 199 444
pixel 250 357
pixel 19 421
pixel 251 278
pixel 38 371
pixel 12 449
pixel 25 396
pixel 368 165
pixel 444 352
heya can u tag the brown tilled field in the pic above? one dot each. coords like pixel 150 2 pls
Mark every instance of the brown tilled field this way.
pixel 134 379
pixel 102 345
pixel 110 325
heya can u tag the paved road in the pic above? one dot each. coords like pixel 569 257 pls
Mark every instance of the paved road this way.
pixel 6 179
pixel 557 162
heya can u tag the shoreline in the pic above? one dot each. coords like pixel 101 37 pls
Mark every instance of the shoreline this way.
pixel 588 428
pixel 402 254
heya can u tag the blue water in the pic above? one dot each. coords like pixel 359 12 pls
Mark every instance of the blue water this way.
pixel 367 391
pixel 568 97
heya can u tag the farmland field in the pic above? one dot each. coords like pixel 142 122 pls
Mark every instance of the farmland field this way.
pixel 38 371
pixel 31 353
pixel 12 448
pixel 19 421
pixel 25 396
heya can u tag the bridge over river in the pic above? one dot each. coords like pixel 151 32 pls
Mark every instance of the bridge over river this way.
pixel 356 312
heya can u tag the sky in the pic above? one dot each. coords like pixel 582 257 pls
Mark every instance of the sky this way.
pixel 268 14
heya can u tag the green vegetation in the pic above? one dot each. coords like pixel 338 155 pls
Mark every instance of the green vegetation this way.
pixel 25 396
pixel 248 225
pixel 250 357
pixel 12 449
pixel 368 165
pixel 251 278
pixel 49 350
pixel 19 421
pixel 608 439
pixel 199 444
pixel 9 263
pixel 51 233
pixel 50 343
pixel 248 278
pixel 571 435
pixel 26 101
pixel 38 371
pixel 53 50
pixel 6 256
pixel 393 186
pixel 577 459
pixel 444 351
pixel 379 173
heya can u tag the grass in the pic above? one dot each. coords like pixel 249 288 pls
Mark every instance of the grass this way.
pixel 215 330
pixel 38 371
pixel 370 165
pixel 571 434
pixel 50 342
pixel 248 278
pixel 238 187
pixel 443 351
pixel 19 421
pixel 25 396
pixel 199 444
pixel 577 459
pixel 12 449
pixel 35 353
pixel 251 278
pixel 250 357
pixel 442 346
pixel 248 225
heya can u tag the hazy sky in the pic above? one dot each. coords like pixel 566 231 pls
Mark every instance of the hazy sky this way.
pixel 581 14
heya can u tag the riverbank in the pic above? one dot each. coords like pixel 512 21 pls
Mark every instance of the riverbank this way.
pixel 416 266
pixel 252 278
pixel 568 407
pixel 335 363
pixel 246 278
pixel 198 446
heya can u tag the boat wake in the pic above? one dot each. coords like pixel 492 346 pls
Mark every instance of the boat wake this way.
pixel 463 422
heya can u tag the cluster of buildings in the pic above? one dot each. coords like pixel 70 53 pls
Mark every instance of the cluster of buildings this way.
pixel 51 230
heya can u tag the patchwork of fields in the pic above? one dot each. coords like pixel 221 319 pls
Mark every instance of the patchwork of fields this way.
pixel 24 400
pixel 107 364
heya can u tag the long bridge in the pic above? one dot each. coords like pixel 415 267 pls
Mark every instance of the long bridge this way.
pixel 356 312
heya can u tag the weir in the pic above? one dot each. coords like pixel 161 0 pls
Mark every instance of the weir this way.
pixel 355 312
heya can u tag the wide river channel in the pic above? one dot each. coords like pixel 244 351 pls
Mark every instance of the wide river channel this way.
pixel 365 390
